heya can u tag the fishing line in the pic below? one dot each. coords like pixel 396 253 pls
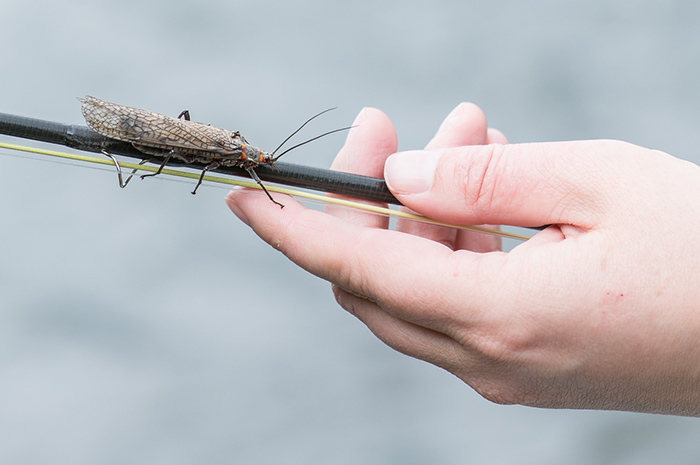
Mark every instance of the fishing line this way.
pixel 253 185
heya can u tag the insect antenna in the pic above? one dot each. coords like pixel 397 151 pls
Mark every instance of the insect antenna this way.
pixel 274 159
pixel 300 128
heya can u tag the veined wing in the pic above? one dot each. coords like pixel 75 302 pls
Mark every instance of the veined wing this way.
pixel 155 130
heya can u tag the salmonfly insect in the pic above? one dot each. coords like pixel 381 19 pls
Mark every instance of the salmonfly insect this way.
pixel 168 137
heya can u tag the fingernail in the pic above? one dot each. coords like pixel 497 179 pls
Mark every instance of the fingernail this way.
pixel 360 117
pixel 452 117
pixel 358 120
pixel 231 202
pixel 411 172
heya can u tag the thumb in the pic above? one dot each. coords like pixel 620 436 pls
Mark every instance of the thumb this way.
pixel 517 184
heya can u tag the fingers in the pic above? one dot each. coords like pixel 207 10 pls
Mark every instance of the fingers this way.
pixel 465 125
pixel 369 143
pixel 407 338
pixel 523 184
pixel 496 137
pixel 477 242
pixel 375 263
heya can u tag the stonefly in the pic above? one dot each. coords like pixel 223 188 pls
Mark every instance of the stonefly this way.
pixel 167 137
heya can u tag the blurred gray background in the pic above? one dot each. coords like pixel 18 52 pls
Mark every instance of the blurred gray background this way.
pixel 149 326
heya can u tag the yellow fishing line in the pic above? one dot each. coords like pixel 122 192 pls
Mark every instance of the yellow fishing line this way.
pixel 250 184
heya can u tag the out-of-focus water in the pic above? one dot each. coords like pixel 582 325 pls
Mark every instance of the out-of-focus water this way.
pixel 147 325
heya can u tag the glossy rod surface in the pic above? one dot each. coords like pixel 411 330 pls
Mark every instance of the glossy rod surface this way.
pixel 84 138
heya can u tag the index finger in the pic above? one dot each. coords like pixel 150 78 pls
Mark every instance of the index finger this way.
pixel 399 271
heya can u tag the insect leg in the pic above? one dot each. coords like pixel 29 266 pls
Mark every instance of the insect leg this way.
pixel 122 184
pixel 160 168
pixel 184 114
pixel 255 177
pixel 211 166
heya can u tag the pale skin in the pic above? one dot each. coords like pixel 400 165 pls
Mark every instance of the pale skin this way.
pixel 601 310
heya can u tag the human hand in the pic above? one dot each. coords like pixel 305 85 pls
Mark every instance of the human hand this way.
pixel 599 310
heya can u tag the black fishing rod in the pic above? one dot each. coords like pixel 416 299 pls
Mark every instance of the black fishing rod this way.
pixel 85 139
pixel 319 179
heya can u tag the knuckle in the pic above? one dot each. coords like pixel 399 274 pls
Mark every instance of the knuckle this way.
pixel 347 300
pixel 502 370
pixel 352 272
pixel 499 393
pixel 479 177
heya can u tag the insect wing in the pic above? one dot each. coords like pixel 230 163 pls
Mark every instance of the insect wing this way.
pixel 150 129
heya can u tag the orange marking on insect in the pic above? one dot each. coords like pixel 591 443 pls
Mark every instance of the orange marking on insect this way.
pixel 243 157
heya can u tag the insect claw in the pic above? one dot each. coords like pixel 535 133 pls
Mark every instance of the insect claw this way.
pixel 160 168
pixel 255 177
pixel 211 166
pixel 199 182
